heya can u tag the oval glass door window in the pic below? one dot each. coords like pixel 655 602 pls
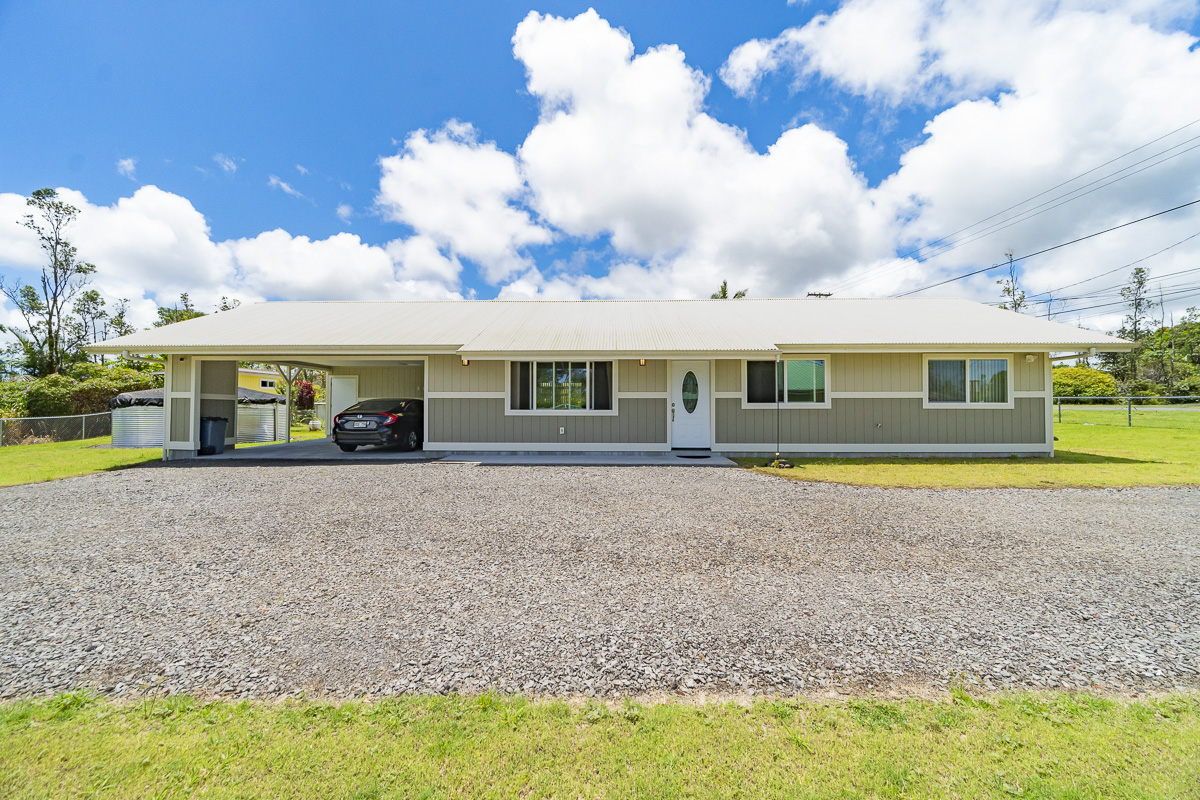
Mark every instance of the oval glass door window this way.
pixel 691 391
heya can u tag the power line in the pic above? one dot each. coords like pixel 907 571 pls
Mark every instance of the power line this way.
pixel 850 281
pixel 1030 213
pixel 1027 215
pixel 1047 250
pixel 1102 292
pixel 1118 269
pixel 1173 295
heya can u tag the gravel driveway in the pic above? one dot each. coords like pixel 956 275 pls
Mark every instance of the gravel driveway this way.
pixel 391 578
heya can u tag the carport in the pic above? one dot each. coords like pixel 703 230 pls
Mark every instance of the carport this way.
pixel 198 386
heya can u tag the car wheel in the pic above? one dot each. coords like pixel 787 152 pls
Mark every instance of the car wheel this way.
pixel 348 448
pixel 410 441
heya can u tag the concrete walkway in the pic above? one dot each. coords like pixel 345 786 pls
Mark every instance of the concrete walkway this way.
pixel 701 458
pixel 323 450
pixel 314 450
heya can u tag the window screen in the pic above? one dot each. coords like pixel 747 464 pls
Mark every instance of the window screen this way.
pixel 602 386
pixel 519 388
pixel 947 381
pixel 760 382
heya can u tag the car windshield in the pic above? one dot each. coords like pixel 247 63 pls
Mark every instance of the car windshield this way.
pixel 378 406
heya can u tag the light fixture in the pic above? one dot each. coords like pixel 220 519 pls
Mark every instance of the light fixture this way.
pixel 466 361
pixel 1030 358
pixel 641 362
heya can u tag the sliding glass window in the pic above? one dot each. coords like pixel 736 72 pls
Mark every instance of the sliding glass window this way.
pixel 792 381
pixel 560 386
pixel 967 381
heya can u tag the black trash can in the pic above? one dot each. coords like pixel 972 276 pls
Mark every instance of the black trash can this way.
pixel 212 435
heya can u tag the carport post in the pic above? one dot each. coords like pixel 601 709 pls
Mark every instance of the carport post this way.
pixel 287 425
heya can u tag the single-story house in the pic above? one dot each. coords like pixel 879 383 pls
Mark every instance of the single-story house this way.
pixel 798 376
pixel 259 380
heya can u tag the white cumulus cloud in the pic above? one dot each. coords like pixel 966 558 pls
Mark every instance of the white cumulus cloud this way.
pixel 461 193
pixel 624 148
pixel 127 167
pixel 154 245
pixel 1033 94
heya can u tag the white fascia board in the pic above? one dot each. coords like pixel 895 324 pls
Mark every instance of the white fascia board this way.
pixel 621 355
pixel 256 352
pixel 943 347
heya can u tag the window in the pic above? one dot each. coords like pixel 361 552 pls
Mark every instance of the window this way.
pixel 760 381
pixel 967 381
pixel 792 381
pixel 266 383
pixel 560 386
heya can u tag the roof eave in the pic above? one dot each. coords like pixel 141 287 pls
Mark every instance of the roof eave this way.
pixel 953 347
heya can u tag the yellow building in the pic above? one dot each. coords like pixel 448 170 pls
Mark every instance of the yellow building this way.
pixel 260 380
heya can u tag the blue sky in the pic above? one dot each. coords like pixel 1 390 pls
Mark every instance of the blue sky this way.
pixel 265 116
pixel 273 85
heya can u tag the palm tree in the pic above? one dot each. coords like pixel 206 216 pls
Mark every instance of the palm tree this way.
pixel 723 292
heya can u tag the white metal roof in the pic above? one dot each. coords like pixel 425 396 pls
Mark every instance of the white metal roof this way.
pixel 629 327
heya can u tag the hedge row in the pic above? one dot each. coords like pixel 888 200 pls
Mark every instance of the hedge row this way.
pixel 86 391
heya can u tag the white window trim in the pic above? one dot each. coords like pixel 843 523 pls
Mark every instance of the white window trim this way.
pixel 747 405
pixel 927 357
pixel 559 412
pixel 266 383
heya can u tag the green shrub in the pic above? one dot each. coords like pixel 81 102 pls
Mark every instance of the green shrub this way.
pixel 1186 387
pixel 12 398
pixel 91 396
pixel 50 396
pixel 85 389
pixel 1084 382
pixel 1145 388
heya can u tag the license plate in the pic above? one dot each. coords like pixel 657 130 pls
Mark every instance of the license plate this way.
pixel 360 425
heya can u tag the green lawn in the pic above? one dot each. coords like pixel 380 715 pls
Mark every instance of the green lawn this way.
pixel 1085 455
pixel 32 463
pixel 1033 746
pixel 300 433
pixel 1186 417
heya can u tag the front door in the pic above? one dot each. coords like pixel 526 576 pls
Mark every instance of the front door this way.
pixel 689 404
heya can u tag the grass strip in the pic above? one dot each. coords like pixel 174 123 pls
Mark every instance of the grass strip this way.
pixel 1084 456
pixel 1062 745
pixel 33 463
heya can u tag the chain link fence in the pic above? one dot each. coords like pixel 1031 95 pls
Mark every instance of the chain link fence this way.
pixel 1180 411
pixel 39 430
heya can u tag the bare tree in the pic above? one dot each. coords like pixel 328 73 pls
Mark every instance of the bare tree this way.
pixel 1009 288
pixel 52 336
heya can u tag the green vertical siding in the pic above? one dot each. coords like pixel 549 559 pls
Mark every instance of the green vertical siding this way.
pixel 633 377
pixel 181 415
pixel 394 381
pixel 483 420
pixel 882 421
